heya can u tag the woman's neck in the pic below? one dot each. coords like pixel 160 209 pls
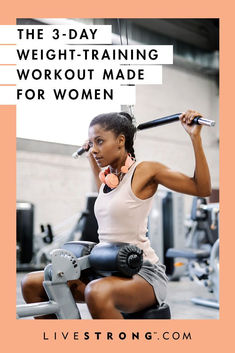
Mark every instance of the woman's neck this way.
pixel 116 166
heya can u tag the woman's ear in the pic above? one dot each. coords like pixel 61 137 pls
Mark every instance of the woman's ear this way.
pixel 121 140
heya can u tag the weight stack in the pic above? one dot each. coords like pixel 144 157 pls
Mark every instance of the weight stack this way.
pixel 24 231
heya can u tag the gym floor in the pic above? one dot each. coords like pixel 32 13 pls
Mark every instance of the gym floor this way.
pixel 179 300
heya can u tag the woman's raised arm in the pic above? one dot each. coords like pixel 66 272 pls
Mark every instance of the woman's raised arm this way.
pixel 200 183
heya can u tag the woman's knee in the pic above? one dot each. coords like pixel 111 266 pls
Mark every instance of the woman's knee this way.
pixel 98 294
pixel 77 289
pixel 31 286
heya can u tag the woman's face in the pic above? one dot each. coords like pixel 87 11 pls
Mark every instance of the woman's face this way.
pixel 106 147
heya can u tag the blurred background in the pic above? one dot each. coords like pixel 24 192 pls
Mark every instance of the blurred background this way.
pixel 54 186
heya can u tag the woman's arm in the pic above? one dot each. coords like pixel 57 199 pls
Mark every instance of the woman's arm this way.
pixel 200 183
pixel 95 169
pixel 94 166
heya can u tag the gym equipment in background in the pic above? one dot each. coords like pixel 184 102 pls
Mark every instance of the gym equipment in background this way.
pixel 24 232
pixel 202 226
pixel 33 251
pixel 166 228
pixel 85 228
pixel 202 249
pixel 68 263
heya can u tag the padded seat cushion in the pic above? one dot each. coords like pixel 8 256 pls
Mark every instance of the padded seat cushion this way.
pixel 79 248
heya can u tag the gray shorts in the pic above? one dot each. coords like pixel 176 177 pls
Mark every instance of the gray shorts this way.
pixel 156 276
pixel 152 273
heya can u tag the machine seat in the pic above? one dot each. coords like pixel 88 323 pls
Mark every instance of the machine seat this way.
pixel 79 248
pixel 161 312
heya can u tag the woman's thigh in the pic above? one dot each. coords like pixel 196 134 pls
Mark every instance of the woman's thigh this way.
pixel 127 294
pixel 32 288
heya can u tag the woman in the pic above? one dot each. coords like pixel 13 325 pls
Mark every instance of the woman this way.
pixel 126 191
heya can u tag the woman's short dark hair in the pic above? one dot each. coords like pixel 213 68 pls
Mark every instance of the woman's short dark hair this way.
pixel 119 123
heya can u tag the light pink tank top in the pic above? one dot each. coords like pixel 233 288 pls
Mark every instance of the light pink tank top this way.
pixel 123 217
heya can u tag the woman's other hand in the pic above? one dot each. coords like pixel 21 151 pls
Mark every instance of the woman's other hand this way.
pixel 86 146
pixel 187 122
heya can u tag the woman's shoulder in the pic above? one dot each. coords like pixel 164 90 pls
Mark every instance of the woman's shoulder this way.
pixel 147 169
pixel 144 179
pixel 148 166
